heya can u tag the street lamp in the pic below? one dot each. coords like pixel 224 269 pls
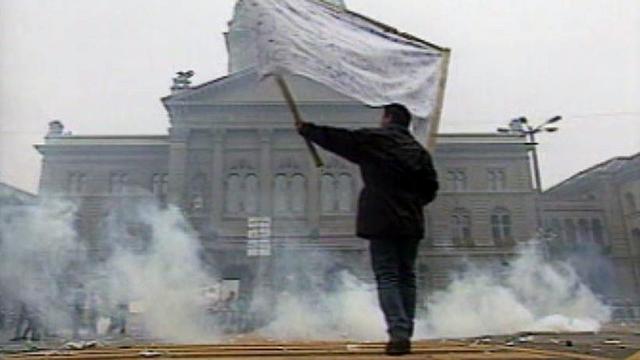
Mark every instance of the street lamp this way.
pixel 520 126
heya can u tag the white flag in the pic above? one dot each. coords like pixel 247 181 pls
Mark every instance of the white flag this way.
pixel 343 51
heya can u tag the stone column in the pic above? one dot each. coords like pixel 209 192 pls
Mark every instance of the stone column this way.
pixel 265 172
pixel 217 178
pixel 178 138
pixel 314 197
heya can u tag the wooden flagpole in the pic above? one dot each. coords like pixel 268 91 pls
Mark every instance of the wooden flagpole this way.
pixel 297 118
pixel 432 139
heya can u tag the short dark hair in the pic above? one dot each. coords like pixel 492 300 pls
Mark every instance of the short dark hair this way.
pixel 398 113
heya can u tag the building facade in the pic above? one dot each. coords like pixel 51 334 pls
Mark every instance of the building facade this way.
pixel 598 209
pixel 232 155
pixel 13 202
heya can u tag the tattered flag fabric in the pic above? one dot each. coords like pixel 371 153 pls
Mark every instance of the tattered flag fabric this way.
pixel 344 51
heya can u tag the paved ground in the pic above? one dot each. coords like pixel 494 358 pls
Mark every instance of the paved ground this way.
pixel 423 350
pixel 612 344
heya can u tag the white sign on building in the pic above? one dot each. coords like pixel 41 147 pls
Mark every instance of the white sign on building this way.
pixel 258 236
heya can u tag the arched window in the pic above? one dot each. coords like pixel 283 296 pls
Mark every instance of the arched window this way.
pixel 160 187
pixel 77 183
pixel 570 230
pixel 631 202
pixel 501 225
pixel 197 189
pixel 251 193
pixel 457 180
pixel 345 193
pixel 118 182
pixel 598 231
pixel 328 193
pixel 233 194
pixel 461 227
pixel 280 194
pixel 635 241
pixel 556 228
pixel 298 194
pixel 497 179
pixel 584 230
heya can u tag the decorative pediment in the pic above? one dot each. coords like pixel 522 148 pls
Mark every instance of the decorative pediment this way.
pixel 246 88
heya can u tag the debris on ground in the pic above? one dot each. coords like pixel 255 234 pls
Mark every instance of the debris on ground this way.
pixel 150 354
pixel 612 342
pixel 353 347
pixel 525 339
pixel 80 345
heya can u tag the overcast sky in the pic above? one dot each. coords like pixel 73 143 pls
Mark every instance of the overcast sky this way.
pixel 101 66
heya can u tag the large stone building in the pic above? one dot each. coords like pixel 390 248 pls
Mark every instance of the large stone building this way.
pixel 13 202
pixel 231 154
pixel 11 197
pixel 599 209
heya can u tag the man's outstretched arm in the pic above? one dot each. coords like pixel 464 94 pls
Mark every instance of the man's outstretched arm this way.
pixel 343 142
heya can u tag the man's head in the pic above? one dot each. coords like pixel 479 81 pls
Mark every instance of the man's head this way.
pixel 396 114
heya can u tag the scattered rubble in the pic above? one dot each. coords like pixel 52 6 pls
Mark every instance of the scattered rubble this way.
pixel 612 342
pixel 80 345
pixel 150 354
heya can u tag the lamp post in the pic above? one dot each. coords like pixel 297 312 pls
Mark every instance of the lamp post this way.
pixel 520 126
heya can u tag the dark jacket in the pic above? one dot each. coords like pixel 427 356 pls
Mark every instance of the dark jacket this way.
pixel 398 175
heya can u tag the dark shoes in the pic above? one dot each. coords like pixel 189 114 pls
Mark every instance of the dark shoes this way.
pixel 398 347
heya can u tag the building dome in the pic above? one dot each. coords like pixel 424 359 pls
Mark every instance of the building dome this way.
pixel 242 55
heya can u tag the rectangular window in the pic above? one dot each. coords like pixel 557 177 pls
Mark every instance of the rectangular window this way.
pixel 497 179
pixel 457 180
pixel 76 184
pixel 117 183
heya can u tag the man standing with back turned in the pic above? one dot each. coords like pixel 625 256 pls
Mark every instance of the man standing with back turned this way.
pixel 399 180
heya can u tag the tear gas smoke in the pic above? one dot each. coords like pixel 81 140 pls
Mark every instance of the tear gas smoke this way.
pixel 532 294
pixel 348 311
pixel 38 250
pixel 162 277
pixel 158 271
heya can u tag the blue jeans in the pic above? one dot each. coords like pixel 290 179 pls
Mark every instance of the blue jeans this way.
pixel 393 262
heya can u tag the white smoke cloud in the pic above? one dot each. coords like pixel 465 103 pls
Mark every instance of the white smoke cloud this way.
pixel 350 311
pixel 158 271
pixel 164 280
pixel 160 274
pixel 532 294
pixel 39 250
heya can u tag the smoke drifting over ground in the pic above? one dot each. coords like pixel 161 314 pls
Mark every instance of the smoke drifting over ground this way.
pixel 161 275
pixel 38 248
pixel 156 272
pixel 531 294
pixel 156 269
pixel 348 311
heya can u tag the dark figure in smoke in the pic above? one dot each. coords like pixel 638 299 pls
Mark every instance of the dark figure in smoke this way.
pixel 118 319
pixel 3 315
pixel 93 314
pixel 77 310
pixel 399 180
pixel 29 317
